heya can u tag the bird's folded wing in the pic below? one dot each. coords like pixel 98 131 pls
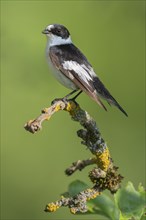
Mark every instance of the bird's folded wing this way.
pixel 80 74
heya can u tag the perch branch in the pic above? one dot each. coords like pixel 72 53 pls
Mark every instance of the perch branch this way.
pixel 103 176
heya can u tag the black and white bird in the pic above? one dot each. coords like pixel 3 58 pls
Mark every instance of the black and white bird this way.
pixel 71 67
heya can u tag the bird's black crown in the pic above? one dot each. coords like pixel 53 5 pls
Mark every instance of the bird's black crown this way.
pixel 60 30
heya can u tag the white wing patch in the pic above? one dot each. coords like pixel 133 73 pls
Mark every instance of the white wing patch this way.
pixel 82 71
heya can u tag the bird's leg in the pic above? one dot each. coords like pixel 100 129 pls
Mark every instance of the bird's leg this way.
pixel 72 92
pixel 74 98
pixel 65 97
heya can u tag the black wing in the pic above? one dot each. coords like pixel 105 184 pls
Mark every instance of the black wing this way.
pixel 74 65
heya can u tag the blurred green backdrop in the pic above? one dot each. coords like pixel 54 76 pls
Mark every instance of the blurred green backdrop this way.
pixel 111 34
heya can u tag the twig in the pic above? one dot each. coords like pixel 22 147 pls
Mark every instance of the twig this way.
pixel 35 125
pixel 79 165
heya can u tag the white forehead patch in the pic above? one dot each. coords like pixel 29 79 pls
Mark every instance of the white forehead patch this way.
pixel 49 27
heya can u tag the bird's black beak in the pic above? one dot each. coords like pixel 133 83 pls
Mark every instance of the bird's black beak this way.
pixel 45 31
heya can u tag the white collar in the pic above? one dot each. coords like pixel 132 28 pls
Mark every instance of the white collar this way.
pixel 56 40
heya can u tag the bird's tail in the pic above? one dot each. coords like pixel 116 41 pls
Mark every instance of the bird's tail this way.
pixel 102 92
pixel 121 109
pixel 115 103
pixel 112 102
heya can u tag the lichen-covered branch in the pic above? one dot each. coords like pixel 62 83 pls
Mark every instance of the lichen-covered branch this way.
pixel 103 176
pixel 76 203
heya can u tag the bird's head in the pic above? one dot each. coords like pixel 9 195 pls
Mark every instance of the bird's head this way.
pixel 57 34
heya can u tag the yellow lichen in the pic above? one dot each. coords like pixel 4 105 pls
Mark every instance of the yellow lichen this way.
pixel 52 207
pixel 94 195
pixel 57 108
pixel 103 159
pixel 72 210
pixel 70 106
pixel 89 190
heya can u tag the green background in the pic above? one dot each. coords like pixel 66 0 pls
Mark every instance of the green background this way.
pixel 111 34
